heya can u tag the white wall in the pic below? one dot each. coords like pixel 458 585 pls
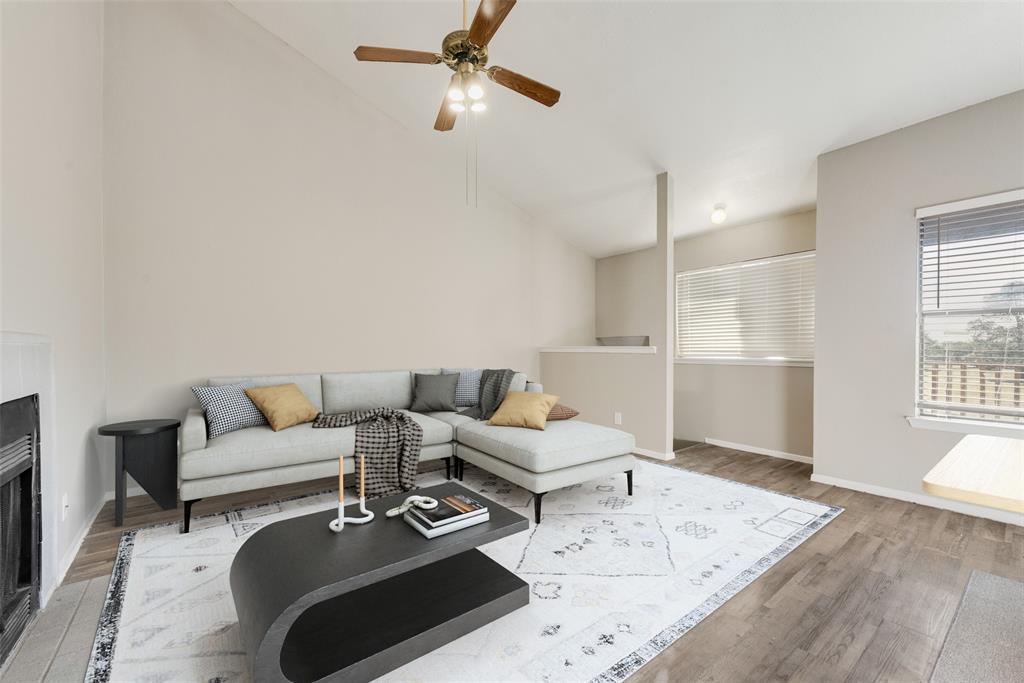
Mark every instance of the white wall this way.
pixel 51 272
pixel 867 283
pixel 767 407
pixel 260 218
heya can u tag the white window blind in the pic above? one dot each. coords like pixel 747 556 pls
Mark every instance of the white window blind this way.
pixel 971 355
pixel 759 310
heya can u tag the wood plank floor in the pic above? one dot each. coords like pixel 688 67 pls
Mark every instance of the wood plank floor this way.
pixel 96 556
pixel 868 598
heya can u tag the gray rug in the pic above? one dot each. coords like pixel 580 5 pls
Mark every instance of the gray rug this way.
pixel 986 640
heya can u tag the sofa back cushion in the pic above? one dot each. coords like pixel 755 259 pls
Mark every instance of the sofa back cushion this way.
pixel 309 384
pixel 518 382
pixel 348 391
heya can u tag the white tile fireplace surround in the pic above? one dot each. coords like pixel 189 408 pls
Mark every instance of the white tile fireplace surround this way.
pixel 26 367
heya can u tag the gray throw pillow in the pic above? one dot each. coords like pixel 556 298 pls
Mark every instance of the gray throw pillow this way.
pixel 433 393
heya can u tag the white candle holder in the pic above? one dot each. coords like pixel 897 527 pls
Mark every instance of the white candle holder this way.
pixel 338 525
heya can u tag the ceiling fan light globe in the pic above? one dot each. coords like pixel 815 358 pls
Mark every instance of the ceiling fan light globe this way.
pixel 478 106
pixel 475 92
pixel 457 107
pixel 455 91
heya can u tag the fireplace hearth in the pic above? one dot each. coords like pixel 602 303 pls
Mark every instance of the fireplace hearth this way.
pixel 19 518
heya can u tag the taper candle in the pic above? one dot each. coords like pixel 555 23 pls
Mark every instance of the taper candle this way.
pixel 341 480
pixel 362 476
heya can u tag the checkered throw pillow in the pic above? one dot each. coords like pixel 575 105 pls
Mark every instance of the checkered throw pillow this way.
pixel 227 409
pixel 467 391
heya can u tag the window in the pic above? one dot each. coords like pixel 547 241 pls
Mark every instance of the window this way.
pixel 757 311
pixel 971 319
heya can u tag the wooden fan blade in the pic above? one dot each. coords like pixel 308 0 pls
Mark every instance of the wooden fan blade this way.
pixel 487 19
pixel 445 117
pixel 544 94
pixel 365 53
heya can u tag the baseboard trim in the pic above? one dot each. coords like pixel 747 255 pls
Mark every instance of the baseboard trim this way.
pixel 654 454
pixel 760 451
pixel 129 492
pixel 1004 516
pixel 69 557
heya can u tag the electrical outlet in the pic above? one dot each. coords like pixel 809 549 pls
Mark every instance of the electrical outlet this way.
pixel 64 507
pixel 618 418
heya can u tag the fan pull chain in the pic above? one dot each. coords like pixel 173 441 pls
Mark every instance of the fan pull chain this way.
pixel 476 167
pixel 472 172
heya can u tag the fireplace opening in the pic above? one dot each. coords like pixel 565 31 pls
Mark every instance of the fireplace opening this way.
pixel 19 518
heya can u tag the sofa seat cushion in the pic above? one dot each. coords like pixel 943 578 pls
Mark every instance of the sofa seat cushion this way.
pixel 434 431
pixel 454 419
pixel 260 448
pixel 562 444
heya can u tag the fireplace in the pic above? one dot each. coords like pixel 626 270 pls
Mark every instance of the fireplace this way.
pixel 19 518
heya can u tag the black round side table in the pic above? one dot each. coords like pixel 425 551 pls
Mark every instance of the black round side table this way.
pixel 147 450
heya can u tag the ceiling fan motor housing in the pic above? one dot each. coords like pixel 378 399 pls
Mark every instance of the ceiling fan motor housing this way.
pixel 456 49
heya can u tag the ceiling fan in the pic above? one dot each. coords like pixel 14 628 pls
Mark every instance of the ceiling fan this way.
pixel 465 53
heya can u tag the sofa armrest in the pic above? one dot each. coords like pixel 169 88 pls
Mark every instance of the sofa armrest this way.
pixel 193 431
pixel 535 387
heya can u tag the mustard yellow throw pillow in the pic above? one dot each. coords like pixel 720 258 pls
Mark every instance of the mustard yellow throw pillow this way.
pixel 524 409
pixel 284 405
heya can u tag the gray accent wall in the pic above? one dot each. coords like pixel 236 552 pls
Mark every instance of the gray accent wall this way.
pixel 768 407
pixel 867 283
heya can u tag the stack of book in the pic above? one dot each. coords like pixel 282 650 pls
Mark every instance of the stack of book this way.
pixel 452 513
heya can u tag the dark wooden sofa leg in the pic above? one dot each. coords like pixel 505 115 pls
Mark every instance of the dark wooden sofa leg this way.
pixel 448 468
pixel 461 468
pixel 536 507
pixel 188 514
pixel 629 482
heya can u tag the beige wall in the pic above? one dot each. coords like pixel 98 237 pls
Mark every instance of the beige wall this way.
pixel 636 386
pixel 867 283
pixel 599 385
pixel 260 218
pixel 768 407
pixel 51 273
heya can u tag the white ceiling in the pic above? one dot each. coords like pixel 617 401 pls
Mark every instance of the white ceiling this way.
pixel 736 100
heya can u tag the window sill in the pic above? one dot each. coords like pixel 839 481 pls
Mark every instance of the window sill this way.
pixel 746 361
pixel 966 427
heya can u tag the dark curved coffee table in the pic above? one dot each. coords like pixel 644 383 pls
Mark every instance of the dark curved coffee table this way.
pixel 314 605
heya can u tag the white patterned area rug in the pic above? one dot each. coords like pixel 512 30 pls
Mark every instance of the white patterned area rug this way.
pixel 614 580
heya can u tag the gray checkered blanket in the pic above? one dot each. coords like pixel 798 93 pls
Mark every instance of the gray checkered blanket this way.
pixel 390 440
pixel 494 385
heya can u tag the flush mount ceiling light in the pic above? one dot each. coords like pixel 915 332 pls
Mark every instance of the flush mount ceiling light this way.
pixel 718 215
pixel 465 53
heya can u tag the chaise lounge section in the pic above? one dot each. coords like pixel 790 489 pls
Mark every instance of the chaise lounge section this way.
pixel 565 453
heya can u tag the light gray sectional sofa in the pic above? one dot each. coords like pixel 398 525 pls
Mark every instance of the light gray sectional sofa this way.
pixel 566 452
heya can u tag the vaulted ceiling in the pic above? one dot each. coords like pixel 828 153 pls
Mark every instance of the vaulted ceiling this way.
pixel 736 100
